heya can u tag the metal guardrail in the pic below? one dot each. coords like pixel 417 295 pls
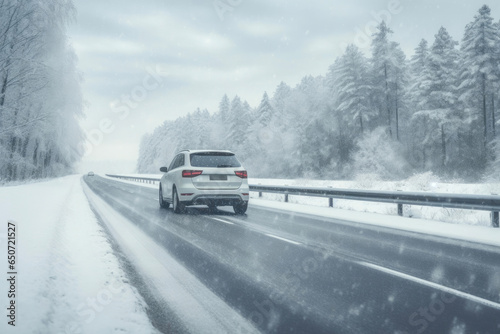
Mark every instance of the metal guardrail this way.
pixel 457 201
pixel 151 180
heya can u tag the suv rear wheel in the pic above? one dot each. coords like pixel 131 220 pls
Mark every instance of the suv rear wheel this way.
pixel 240 208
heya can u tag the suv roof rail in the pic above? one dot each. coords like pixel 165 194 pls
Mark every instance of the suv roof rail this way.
pixel 205 150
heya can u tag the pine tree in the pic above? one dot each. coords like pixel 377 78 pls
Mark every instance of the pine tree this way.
pixel 399 83
pixel 442 69
pixel 280 97
pixel 419 70
pixel 438 119
pixel 224 107
pixel 381 73
pixel 201 124
pixel 495 101
pixel 479 74
pixel 237 129
pixel 388 77
pixel 351 80
pixel 220 127
pixel 265 111
pixel 493 170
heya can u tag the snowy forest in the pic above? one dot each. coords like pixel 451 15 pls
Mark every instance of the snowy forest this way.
pixel 40 96
pixel 383 114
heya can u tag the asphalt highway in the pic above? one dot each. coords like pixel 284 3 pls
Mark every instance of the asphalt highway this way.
pixel 296 273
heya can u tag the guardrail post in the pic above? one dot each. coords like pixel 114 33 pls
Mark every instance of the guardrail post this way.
pixel 286 197
pixel 400 209
pixel 494 219
pixel 330 200
pixel 260 192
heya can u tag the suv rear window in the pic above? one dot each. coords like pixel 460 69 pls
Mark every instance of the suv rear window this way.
pixel 214 159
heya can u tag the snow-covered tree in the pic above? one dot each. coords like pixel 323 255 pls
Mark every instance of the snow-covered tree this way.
pixel 493 168
pixel 479 75
pixel 431 109
pixel 399 82
pixel 224 108
pixel 238 127
pixel 280 97
pixel 419 86
pixel 442 69
pixel 40 98
pixel 265 110
pixel 220 128
pixel 379 155
pixel 437 123
pixel 350 76
pixel 388 78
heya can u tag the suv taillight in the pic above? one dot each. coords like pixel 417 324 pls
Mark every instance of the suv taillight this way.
pixel 241 173
pixel 191 173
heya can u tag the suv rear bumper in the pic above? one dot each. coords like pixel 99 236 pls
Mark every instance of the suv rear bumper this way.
pixel 192 196
pixel 216 200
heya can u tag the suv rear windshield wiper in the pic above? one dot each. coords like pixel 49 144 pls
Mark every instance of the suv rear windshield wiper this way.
pixel 221 166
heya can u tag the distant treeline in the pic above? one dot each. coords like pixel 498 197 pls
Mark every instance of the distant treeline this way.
pixel 385 115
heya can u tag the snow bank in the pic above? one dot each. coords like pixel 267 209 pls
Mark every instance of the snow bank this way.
pixel 422 182
pixel 147 185
pixel 477 234
pixel 69 280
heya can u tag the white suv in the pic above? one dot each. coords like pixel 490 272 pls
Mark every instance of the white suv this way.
pixel 209 177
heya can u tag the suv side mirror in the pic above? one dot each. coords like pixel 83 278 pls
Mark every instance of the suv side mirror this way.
pixel 163 169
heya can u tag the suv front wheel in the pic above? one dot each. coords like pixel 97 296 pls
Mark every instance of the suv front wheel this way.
pixel 163 203
pixel 177 205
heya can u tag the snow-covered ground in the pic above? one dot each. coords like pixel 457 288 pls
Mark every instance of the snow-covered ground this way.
pixel 423 182
pixel 68 277
pixel 477 234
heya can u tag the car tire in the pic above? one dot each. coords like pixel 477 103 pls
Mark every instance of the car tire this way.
pixel 177 205
pixel 240 209
pixel 163 203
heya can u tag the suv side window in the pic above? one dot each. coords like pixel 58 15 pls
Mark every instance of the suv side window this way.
pixel 173 163
pixel 181 161
pixel 177 162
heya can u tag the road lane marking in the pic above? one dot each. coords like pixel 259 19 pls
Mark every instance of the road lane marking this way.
pixel 221 220
pixel 258 230
pixel 433 285
pixel 283 239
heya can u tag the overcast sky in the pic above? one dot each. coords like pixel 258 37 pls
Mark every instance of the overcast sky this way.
pixel 155 60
